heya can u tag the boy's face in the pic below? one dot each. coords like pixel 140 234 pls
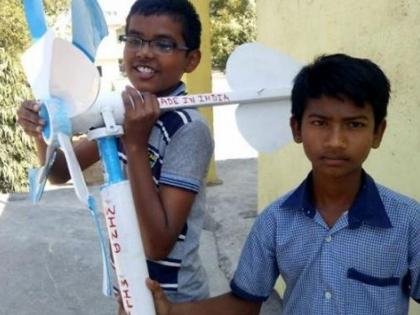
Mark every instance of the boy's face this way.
pixel 337 135
pixel 150 70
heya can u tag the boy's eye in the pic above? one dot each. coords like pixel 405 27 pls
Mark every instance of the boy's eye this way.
pixel 134 41
pixel 317 123
pixel 356 124
pixel 163 45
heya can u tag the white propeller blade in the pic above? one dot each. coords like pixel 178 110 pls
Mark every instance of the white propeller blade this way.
pixel 253 66
pixel 36 63
pixel 265 127
pixel 74 78
pixel 38 176
pixel 75 171
pixel 62 71
pixel 256 67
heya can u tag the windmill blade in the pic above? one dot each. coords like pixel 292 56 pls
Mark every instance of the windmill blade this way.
pixel 38 176
pixel 38 73
pixel 73 166
pixel 50 113
pixel 265 126
pixel 253 66
pixel 74 78
pixel 63 72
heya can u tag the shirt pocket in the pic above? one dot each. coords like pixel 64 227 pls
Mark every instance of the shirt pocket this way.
pixel 371 294
pixel 372 280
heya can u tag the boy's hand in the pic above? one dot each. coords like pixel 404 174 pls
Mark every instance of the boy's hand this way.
pixel 141 112
pixel 162 305
pixel 28 118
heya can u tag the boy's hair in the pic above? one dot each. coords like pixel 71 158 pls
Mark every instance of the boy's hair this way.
pixel 180 10
pixel 342 77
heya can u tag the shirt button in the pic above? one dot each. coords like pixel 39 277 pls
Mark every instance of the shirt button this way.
pixel 328 295
pixel 328 239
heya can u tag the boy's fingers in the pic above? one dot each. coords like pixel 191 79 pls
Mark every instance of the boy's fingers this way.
pixel 131 99
pixel 24 115
pixel 140 95
pixel 151 99
pixel 128 101
pixel 34 131
pixel 144 103
pixel 162 304
pixel 155 288
pixel 152 285
pixel 31 105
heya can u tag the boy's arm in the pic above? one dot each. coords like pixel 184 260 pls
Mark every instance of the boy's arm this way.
pixel 162 212
pixel 226 304
pixel 85 150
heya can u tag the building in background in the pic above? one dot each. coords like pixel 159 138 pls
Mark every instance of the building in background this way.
pixel 110 52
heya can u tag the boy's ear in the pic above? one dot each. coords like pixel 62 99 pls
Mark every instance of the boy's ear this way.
pixel 296 130
pixel 378 134
pixel 193 59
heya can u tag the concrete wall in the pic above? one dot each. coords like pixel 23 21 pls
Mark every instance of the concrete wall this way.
pixel 386 31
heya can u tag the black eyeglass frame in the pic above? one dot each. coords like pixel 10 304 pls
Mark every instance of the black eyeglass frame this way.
pixel 173 45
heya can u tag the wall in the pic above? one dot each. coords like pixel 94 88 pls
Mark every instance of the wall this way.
pixel 386 31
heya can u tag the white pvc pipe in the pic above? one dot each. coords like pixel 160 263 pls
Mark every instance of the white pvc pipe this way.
pixel 127 248
pixel 112 101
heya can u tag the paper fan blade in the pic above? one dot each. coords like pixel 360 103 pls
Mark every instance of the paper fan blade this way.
pixel 265 126
pixel 36 62
pixel 75 171
pixel 74 78
pixel 38 176
pixel 253 66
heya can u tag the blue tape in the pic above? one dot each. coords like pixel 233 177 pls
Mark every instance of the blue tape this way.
pixel 35 17
pixel 54 113
pixel 108 151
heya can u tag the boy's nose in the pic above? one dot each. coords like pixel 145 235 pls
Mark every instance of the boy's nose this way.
pixel 144 49
pixel 336 137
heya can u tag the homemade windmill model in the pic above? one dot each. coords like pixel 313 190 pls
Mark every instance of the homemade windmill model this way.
pixel 67 82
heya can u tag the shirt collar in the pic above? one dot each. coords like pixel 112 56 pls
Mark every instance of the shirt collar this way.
pixel 367 208
pixel 179 90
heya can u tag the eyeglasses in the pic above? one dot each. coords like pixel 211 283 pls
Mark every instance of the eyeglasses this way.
pixel 158 46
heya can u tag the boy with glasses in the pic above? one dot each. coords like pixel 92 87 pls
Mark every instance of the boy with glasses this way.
pixel 166 154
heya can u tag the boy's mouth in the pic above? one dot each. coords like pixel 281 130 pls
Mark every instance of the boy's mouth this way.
pixel 334 160
pixel 144 69
pixel 145 72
